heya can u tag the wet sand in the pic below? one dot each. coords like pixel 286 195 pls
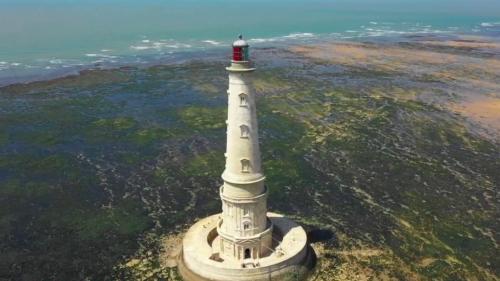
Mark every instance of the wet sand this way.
pixel 467 68
pixel 484 110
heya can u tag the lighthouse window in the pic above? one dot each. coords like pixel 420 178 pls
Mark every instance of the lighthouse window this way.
pixel 246 53
pixel 243 100
pixel 246 226
pixel 245 166
pixel 245 131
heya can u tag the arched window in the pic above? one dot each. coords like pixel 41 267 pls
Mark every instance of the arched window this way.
pixel 245 166
pixel 245 131
pixel 243 99
pixel 247 225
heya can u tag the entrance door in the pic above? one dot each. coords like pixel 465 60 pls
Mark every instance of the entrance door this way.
pixel 247 253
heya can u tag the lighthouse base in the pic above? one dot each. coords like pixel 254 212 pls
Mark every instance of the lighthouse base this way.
pixel 290 257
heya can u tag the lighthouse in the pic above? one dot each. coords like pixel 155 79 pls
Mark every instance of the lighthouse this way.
pixel 244 230
pixel 244 242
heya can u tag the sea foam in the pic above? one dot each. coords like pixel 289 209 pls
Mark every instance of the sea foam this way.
pixel 291 36
pixel 212 42
pixel 100 56
pixel 141 48
pixel 490 24
pixel 55 61
pixel 159 45
pixel 262 40
pixel 299 35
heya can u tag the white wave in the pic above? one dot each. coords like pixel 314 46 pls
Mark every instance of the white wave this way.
pixel 106 50
pixel 15 64
pixel 490 24
pixel 100 56
pixel 384 30
pixel 141 48
pixel 3 62
pixel 179 46
pixel 262 40
pixel 352 31
pixel 146 41
pixel 291 36
pixel 374 22
pixel 108 57
pixel 212 42
pixel 55 61
pixel 175 45
pixel 299 35
pixel 159 45
pixel 376 34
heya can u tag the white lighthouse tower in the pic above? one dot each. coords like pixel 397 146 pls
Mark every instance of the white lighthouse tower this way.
pixel 244 242
pixel 244 230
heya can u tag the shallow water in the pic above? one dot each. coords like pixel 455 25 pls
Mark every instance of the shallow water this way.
pixel 43 37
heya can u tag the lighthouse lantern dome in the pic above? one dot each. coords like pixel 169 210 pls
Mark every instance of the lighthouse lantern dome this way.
pixel 240 50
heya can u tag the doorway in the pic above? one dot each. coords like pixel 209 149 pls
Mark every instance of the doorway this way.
pixel 247 253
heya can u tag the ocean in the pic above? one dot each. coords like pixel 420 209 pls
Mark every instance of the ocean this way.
pixel 40 38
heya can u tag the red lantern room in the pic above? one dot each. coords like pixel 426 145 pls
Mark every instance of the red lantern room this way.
pixel 240 50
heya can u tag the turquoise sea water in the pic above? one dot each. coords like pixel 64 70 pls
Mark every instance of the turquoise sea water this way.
pixel 45 36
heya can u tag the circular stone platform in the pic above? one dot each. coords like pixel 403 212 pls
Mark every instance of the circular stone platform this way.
pixel 200 260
